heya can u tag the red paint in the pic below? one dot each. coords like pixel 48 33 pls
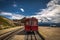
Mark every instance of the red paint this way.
pixel 34 28
pixel 31 24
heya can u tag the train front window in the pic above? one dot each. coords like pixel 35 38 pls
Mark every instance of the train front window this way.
pixel 27 23
pixel 34 23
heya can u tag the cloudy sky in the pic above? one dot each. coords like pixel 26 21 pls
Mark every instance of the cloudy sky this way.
pixel 43 10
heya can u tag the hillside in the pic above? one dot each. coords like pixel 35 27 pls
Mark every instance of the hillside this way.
pixel 5 22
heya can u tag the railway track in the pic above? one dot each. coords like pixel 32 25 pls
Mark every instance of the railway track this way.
pixel 10 34
pixel 28 35
pixel 33 36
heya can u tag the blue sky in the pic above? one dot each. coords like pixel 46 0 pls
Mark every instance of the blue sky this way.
pixel 30 7
pixel 43 10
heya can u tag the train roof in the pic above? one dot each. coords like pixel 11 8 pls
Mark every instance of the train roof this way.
pixel 33 18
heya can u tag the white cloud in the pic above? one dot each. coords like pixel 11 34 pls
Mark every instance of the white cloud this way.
pixel 17 16
pixel 14 5
pixel 5 13
pixel 51 13
pixel 22 9
pixel 12 15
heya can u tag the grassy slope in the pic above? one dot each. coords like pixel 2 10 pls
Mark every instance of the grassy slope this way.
pixel 5 22
pixel 50 33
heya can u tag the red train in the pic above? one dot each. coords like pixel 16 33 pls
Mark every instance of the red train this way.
pixel 31 24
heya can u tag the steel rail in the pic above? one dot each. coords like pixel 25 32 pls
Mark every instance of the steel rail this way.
pixel 10 34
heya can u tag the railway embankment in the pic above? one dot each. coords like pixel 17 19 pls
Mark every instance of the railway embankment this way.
pixel 9 29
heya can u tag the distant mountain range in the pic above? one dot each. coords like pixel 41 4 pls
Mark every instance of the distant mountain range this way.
pixel 49 24
pixel 7 22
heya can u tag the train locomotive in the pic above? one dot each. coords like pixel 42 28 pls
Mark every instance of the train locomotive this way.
pixel 31 24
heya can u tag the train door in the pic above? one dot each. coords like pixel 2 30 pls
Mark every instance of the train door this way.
pixel 27 25
pixel 34 24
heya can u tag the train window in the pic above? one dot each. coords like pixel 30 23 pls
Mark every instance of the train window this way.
pixel 27 23
pixel 34 23
pixel 31 22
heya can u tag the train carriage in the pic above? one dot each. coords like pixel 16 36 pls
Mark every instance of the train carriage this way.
pixel 31 24
pixel 34 24
pixel 27 24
